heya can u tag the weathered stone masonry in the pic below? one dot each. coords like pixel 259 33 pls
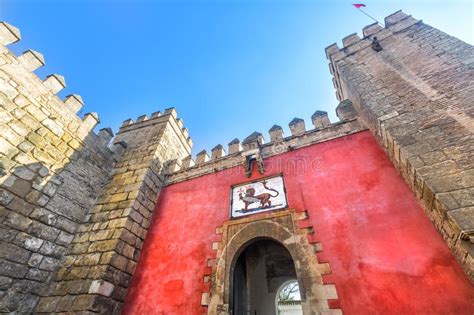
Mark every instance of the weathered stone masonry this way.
pixel 75 206
pixel 70 199
pixel 46 152
pixel 104 252
pixel 416 97
pixel 281 226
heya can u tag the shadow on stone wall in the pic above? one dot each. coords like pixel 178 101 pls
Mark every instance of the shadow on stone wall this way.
pixel 40 211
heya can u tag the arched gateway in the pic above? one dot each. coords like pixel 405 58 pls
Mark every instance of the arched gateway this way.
pixel 258 274
pixel 94 225
pixel 255 257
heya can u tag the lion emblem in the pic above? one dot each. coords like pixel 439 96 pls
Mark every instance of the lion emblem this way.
pixel 248 197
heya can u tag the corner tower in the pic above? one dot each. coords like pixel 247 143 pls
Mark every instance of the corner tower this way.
pixel 412 86
pixel 97 272
pixel 74 205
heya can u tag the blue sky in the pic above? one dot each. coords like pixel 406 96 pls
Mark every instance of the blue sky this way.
pixel 229 67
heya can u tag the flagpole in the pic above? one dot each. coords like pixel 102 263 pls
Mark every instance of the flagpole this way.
pixel 370 17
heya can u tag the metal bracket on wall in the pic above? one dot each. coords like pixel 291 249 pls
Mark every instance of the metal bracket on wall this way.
pixel 251 156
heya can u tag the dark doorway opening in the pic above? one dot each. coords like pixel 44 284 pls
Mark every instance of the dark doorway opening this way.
pixel 257 277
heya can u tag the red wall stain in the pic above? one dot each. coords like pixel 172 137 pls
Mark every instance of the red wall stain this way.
pixel 385 256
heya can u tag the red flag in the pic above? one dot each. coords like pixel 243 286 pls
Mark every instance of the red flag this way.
pixel 358 5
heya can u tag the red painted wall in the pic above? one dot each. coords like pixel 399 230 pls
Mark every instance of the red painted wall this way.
pixel 385 256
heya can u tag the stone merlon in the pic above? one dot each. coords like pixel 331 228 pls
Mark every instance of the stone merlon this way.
pixel 74 102
pixel 350 39
pixel 202 157
pixel 55 83
pixel 395 17
pixel 234 146
pixel 105 135
pixel 217 152
pixel 371 29
pixel 9 34
pixel 31 60
pixel 345 110
pixel 297 126
pixel 187 162
pixel 320 119
pixel 276 133
pixel 253 141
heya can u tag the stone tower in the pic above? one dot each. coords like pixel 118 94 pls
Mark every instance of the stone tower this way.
pixel 415 95
pixel 92 223
pixel 96 273
pixel 73 203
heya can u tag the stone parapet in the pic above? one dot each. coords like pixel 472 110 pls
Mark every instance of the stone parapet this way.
pixel 414 91
pixel 158 119
pixel 352 44
pixel 320 119
pixel 275 147
pixel 276 133
pixel 52 169
pixel 105 251
pixel 75 205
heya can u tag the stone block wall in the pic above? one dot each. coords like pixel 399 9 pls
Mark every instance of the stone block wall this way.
pixel 416 96
pixel 74 206
pixel 278 143
pixel 52 167
pixel 96 274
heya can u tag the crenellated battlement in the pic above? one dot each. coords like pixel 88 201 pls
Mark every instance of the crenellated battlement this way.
pixel 157 121
pixel 76 205
pixel 352 43
pixel 409 84
pixel 52 169
pixel 9 34
pixel 297 127
pixel 278 143
pixel 156 117
pixel 26 89
pixel 393 23
pixel 46 148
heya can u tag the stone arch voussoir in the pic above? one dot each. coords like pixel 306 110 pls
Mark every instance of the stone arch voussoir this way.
pixel 282 228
